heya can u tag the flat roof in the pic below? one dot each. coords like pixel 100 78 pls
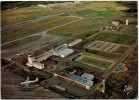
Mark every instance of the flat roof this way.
pixel 66 52
pixel 88 76
pixel 79 79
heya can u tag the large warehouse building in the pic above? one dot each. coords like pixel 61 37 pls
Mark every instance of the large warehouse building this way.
pixel 81 81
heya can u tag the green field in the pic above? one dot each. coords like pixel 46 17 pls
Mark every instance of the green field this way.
pixel 18 32
pixel 93 13
pixel 131 30
pixel 115 38
pixel 27 13
pixel 99 14
pixel 96 62
pixel 92 22
pixel 103 53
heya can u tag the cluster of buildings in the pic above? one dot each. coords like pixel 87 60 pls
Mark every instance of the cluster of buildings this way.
pixel 61 51
pixel 63 5
pixel 84 80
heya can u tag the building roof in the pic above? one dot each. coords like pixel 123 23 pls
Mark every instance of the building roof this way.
pixel 75 42
pixel 88 76
pixel 79 79
pixel 65 52
pixel 38 64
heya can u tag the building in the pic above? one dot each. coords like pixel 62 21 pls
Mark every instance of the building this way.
pixel 42 5
pixel 44 56
pixel 116 22
pixel 38 65
pixel 74 79
pixel 75 42
pixel 62 51
pixel 88 76
pixel 32 63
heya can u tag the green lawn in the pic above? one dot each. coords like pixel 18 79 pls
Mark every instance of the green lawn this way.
pixel 27 13
pixel 103 53
pixel 95 62
pixel 93 13
pixel 131 30
pixel 115 38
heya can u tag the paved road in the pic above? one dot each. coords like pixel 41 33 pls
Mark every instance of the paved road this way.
pixel 108 72
pixel 30 21
pixel 80 18
pixel 32 46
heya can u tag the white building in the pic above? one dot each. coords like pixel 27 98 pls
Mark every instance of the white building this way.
pixel 62 51
pixel 75 42
pixel 116 22
pixel 44 56
pixel 38 65
pixel 32 63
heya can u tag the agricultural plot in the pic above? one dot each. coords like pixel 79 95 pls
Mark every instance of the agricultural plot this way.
pixel 115 38
pixel 95 62
pixel 107 46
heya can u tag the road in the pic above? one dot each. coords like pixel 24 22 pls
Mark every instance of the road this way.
pixel 80 18
pixel 108 72
pixel 35 45
pixel 30 21
pixel 122 58
pixel 32 46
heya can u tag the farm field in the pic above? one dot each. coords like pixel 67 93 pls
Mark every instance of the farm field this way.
pixel 115 38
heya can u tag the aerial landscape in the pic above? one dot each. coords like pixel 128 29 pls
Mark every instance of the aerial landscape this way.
pixel 69 50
